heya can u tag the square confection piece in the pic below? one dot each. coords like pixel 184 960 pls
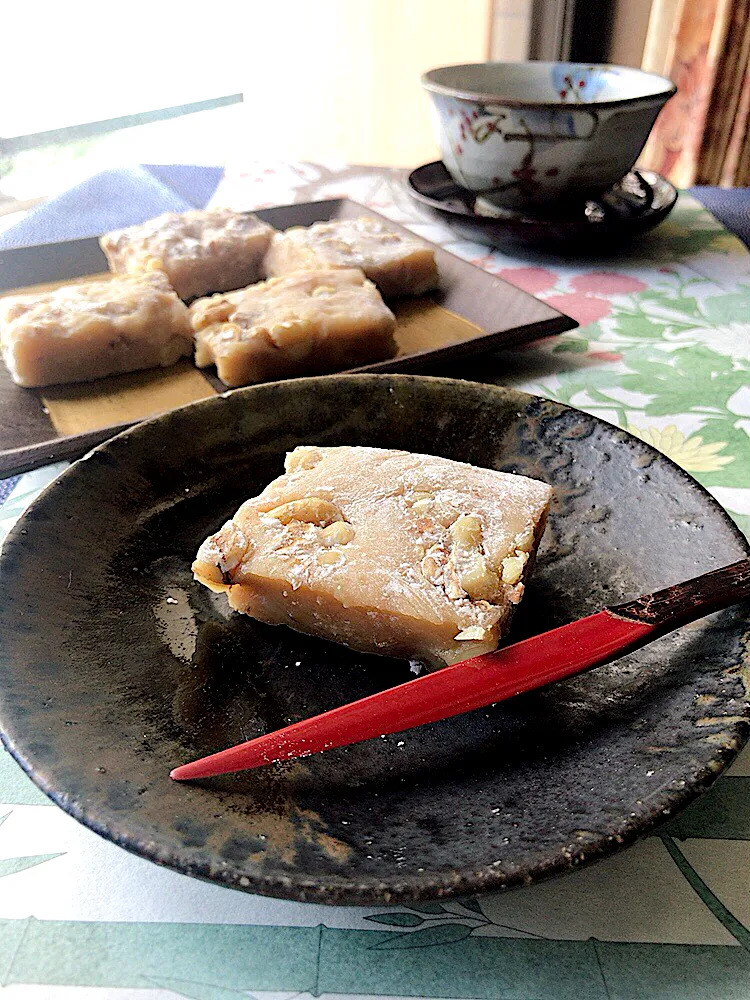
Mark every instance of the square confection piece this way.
pixel 385 551
pixel 203 251
pixel 398 263
pixel 97 328
pixel 307 323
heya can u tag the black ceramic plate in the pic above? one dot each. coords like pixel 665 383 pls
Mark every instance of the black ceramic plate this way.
pixel 114 665
pixel 638 202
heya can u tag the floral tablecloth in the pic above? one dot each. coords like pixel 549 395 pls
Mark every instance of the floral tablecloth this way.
pixel 664 350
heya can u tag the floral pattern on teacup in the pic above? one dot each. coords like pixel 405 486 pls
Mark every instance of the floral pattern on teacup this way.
pixel 577 84
pixel 530 138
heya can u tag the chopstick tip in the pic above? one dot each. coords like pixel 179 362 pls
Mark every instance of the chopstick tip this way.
pixel 223 762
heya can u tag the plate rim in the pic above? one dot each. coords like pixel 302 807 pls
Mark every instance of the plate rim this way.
pixel 363 890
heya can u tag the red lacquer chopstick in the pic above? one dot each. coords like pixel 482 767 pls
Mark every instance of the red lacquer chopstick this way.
pixel 493 677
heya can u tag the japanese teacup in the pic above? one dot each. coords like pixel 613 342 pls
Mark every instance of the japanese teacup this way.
pixel 527 132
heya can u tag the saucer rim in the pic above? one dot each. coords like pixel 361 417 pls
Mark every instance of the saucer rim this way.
pixel 519 219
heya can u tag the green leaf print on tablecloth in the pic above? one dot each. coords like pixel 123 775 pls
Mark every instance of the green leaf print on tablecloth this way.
pixel 434 924
pixel 197 991
pixel 425 937
pixel 431 909
pixel 684 381
pixel 574 345
pixel 669 360
pixel 397 919
pixel 11 866
pixel 726 308
pixel 664 342
pixel 692 230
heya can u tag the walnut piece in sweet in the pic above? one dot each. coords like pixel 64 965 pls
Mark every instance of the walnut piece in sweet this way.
pixel 337 533
pixel 477 578
pixel 312 510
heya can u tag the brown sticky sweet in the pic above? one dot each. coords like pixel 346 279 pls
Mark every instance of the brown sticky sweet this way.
pixel 385 551
pixel 311 322
pixel 201 251
pixel 89 330
pixel 397 263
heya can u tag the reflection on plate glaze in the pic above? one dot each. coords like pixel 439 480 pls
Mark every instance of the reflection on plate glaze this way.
pixel 175 616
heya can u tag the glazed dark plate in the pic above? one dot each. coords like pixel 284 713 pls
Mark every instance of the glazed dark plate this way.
pixel 115 666
pixel 637 203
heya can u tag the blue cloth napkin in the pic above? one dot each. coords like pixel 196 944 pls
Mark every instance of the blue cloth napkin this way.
pixel 731 207
pixel 113 199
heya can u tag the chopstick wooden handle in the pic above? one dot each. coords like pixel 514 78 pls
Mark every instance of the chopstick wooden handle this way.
pixel 688 601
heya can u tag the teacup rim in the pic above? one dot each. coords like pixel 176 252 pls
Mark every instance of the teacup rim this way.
pixel 431 85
